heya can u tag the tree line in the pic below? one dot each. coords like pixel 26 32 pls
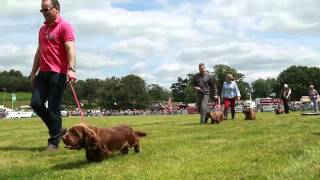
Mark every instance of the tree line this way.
pixel 128 92
pixel 132 92
pixel 299 78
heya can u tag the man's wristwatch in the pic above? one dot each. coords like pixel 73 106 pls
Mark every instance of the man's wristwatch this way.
pixel 71 69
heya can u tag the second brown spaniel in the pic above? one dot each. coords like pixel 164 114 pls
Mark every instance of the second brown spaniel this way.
pixel 250 113
pixel 216 117
pixel 99 143
pixel 279 110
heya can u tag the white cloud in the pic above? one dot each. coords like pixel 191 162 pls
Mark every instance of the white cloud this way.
pixel 250 58
pixel 291 16
pixel 139 47
pixel 16 8
pixel 173 70
pixel 95 62
pixel 258 38
pixel 163 2
pixel 17 57
pixel 121 23
pixel 139 67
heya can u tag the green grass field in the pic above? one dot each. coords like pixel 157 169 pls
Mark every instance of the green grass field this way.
pixel 177 147
pixel 22 98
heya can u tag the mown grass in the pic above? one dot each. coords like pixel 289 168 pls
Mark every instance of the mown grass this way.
pixel 22 98
pixel 177 147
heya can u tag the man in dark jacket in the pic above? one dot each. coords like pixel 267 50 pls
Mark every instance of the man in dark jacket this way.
pixel 204 85
pixel 285 97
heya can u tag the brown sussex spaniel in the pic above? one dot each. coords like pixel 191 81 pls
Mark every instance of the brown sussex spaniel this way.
pixel 279 110
pixel 99 143
pixel 250 114
pixel 216 117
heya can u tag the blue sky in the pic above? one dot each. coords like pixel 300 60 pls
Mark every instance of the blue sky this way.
pixel 162 40
pixel 142 5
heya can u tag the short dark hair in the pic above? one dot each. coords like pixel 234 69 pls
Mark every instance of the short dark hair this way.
pixel 56 4
pixel 201 64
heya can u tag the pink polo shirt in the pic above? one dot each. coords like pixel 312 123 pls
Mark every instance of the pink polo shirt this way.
pixel 53 54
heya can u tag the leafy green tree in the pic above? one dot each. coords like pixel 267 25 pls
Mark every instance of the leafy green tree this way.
pixel 67 99
pixel 89 91
pixel 157 93
pixel 177 89
pixel 14 81
pixel 133 93
pixel 298 78
pixel 86 92
pixel 244 89
pixel 264 87
pixel 107 93
pixel 190 94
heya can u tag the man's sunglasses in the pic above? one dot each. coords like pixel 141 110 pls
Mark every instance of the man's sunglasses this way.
pixel 46 10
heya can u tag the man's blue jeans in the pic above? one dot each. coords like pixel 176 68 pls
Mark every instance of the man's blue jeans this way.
pixel 49 86
pixel 314 105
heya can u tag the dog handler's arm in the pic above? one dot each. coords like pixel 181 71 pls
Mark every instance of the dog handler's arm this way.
pixel 237 92
pixel 289 93
pixel 214 88
pixel 71 52
pixel 35 66
pixel 195 85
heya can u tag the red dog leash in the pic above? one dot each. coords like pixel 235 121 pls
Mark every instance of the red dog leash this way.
pixel 76 99
pixel 218 104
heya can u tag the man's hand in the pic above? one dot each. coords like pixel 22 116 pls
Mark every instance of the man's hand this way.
pixel 197 88
pixel 71 75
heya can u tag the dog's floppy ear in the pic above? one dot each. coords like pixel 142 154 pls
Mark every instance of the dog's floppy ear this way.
pixel 89 132
pixel 93 142
pixel 90 138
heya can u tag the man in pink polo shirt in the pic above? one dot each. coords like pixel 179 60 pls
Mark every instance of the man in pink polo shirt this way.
pixel 53 66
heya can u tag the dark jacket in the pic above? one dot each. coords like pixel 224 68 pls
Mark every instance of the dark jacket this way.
pixel 206 84
pixel 285 94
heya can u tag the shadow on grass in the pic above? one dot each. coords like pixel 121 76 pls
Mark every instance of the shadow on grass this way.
pixel 19 148
pixel 71 165
pixel 147 124
pixel 80 163
pixel 194 124
pixel 316 133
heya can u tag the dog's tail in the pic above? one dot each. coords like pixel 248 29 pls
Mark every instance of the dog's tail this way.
pixel 140 133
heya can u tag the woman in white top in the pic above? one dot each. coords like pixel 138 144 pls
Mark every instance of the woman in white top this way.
pixel 230 93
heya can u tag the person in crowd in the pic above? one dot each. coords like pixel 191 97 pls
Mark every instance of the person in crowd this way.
pixel 230 93
pixel 204 85
pixel 53 65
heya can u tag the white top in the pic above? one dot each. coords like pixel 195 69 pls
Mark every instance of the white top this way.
pixel 230 90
